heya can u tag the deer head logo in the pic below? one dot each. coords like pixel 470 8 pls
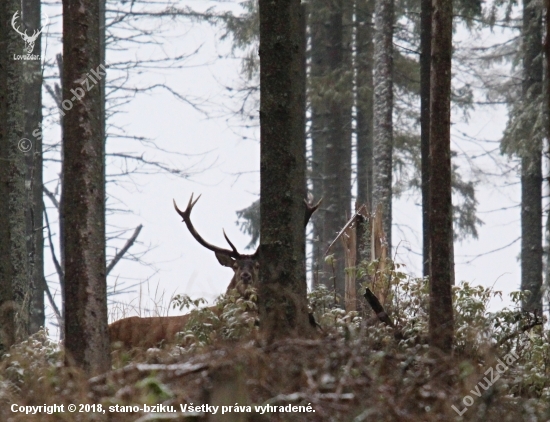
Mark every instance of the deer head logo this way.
pixel 29 40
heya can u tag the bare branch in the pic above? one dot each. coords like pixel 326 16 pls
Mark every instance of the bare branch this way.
pixel 56 311
pixel 58 268
pixel 51 196
pixel 127 246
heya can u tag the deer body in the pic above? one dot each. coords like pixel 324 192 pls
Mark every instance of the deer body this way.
pixel 150 331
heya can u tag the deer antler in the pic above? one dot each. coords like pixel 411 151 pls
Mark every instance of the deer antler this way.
pixel 29 40
pixel 186 215
pixel 15 16
pixel 310 209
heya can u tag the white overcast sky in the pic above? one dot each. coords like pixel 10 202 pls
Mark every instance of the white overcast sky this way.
pixel 227 176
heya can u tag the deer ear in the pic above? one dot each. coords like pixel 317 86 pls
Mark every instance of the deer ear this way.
pixel 225 260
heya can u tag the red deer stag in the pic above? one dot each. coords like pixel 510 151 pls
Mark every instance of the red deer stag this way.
pixel 150 331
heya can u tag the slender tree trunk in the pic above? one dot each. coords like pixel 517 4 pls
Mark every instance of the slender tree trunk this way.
pixel 383 109
pixel 319 131
pixel 304 13
pixel 425 64
pixel 531 162
pixel 337 196
pixel 86 339
pixel 282 295
pixel 441 223
pixel 33 131
pixel 364 88
pixel 364 85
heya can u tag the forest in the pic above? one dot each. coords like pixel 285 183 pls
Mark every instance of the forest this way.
pixel 343 160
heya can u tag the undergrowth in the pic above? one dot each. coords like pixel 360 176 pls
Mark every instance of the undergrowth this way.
pixel 354 368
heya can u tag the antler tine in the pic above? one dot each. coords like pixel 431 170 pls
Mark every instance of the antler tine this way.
pixel 230 244
pixel 15 16
pixel 310 209
pixel 191 204
pixel 186 215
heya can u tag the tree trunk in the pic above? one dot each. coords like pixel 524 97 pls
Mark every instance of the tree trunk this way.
pixel 547 57
pixel 86 340
pixel 282 295
pixel 15 275
pixel 364 86
pixel 337 195
pixel 383 108
pixel 12 175
pixel 531 163
pixel 441 222
pixel 319 132
pixel 33 131
pixel 425 64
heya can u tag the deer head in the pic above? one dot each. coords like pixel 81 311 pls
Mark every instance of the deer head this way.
pixel 29 40
pixel 246 267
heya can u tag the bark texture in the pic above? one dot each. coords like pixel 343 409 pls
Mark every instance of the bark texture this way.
pixel 425 64
pixel 531 162
pixel 32 104
pixel 364 46
pixel 441 223
pixel 83 208
pixel 364 86
pixel 15 292
pixel 547 74
pixel 282 295
pixel 319 130
pixel 383 109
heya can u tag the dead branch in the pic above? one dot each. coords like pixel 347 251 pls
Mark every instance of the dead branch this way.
pixel 56 312
pixel 526 327
pixel 378 308
pixel 58 268
pixel 127 246
pixel 51 196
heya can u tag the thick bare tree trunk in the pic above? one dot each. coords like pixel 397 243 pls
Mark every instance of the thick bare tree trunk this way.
pixel 15 276
pixel 282 295
pixel 86 340
pixel 9 132
pixel 32 103
pixel 531 162
pixel 547 75
pixel 383 109
pixel 441 223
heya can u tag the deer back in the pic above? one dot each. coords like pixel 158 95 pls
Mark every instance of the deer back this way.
pixel 145 332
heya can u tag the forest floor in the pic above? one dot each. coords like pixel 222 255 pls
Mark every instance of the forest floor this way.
pixel 339 375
